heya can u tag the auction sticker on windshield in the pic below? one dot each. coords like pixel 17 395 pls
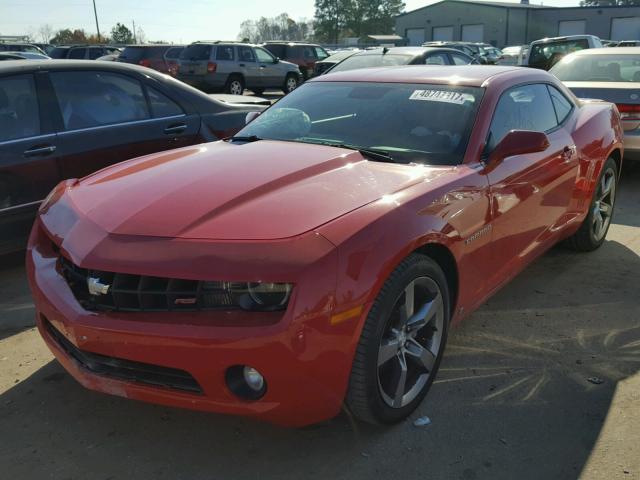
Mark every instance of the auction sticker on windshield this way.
pixel 441 96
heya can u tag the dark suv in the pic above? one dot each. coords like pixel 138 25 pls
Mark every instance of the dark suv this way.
pixel 305 55
pixel 82 52
pixel 152 56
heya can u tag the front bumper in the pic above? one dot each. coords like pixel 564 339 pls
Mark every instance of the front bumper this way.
pixel 305 359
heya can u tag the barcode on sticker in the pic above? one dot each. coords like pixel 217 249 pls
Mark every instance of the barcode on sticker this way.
pixel 441 96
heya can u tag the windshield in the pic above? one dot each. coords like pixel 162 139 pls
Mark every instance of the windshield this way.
pixel 418 123
pixel 598 68
pixel 369 60
pixel 196 51
pixel 547 54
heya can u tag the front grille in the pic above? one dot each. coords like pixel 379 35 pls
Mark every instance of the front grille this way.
pixel 126 370
pixel 141 293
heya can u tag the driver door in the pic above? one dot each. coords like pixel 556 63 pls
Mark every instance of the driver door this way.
pixel 530 193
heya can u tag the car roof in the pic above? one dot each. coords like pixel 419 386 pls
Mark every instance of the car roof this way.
pixel 566 37
pixel 609 51
pixel 403 50
pixel 19 66
pixel 467 75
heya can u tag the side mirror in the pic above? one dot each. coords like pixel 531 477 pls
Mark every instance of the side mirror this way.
pixel 518 142
pixel 276 60
pixel 251 116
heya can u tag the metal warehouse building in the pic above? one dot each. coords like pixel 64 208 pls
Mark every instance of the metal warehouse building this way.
pixel 502 24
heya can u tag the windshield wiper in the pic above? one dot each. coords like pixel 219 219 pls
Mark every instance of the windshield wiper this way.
pixel 248 138
pixel 371 153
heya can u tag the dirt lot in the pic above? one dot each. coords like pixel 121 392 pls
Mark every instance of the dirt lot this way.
pixel 513 399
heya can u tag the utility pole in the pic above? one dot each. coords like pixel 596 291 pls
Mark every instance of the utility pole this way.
pixel 135 41
pixel 95 12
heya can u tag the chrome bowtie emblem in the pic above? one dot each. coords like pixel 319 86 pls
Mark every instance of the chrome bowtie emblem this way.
pixel 96 288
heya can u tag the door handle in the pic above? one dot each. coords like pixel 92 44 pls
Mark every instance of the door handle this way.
pixel 263 66
pixel 39 151
pixel 241 64
pixel 172 129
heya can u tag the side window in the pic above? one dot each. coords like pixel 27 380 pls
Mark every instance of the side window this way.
pixel 308 53
pixel 19 116
pixel 95 53
pixel 436 59
pixel 527 107
pixel 224 52
pixel 161 105
pixel 245 54
pixel 321 53
pixel 91 99
pixel 459 59
pixel 560 103
pixel 264 56
pixel 77 53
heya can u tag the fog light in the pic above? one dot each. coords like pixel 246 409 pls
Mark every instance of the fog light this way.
pixel 246 382
pixel 253 378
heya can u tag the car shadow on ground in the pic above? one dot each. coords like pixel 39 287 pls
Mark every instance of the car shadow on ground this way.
pixel 523 392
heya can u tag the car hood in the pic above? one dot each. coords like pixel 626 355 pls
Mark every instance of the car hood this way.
pixel 260 190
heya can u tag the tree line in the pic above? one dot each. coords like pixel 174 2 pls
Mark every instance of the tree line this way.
pixel 120 34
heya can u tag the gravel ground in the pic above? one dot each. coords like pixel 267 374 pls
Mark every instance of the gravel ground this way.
pixel 513 399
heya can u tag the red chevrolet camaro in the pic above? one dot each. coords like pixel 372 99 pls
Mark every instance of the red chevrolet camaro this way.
pixel 318 258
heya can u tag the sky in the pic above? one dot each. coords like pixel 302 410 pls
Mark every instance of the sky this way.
pixel 175 21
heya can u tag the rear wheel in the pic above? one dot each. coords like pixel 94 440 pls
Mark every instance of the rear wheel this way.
pixel 290 83
pixel 594 229
pixel 235 85
pixel 402 343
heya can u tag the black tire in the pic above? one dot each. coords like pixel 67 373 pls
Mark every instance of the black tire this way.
pixel 289 80
pixel 258 91
pixel 234 85
pixel 364 396
pixel 586 239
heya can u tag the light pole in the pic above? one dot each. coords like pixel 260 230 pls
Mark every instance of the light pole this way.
pixel 95 13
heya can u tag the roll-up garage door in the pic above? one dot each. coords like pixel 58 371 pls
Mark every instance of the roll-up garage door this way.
pixel 444 34
pixel 625 28
pixel 572 27
pixel 415 36
pixel 473 33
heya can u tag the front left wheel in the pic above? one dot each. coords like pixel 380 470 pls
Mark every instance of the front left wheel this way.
pixel 401 344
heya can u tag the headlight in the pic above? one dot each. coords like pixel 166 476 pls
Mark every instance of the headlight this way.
pixel 270 295
pixel 256 296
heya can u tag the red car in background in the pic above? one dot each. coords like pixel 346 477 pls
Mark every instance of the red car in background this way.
pixel 320 256
pixel 305 55
pixel 151 56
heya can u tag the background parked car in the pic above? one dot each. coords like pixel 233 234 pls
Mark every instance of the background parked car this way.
pixel 151 56
pixel 514 55
pixel 628 43
pixel 381 57
pixel 45 47
pixel 66 119
pixel 20 47
pixel 611 74
pixel 545 53
pixel 82 52
pixel 22 56
pixel 305 55
pixel 232 67
pixel 323 65
pixel 474 50
pixel 171 58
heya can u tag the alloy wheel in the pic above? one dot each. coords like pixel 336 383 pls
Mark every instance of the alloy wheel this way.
pixel 603 205
pixel 411 342
pixel 292 83
pixel 235 88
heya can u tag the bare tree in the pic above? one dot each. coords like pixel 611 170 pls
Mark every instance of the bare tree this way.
pixel 45 33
